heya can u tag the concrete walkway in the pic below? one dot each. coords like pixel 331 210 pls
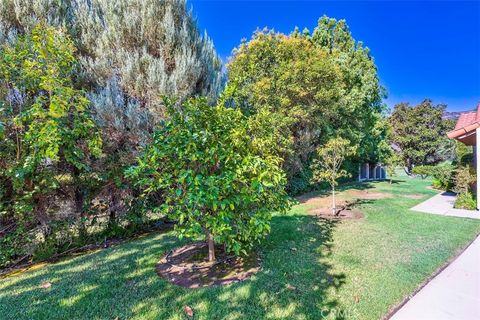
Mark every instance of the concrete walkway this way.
pixel 442 204
pixel 453 294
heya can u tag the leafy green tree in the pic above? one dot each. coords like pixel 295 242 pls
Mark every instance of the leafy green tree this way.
pixel 46 131
pixel 362 117
pixel 288 77
pixel 215 173
pixel 327 166
pixel 418 132
pixel 391 163
pixel 321 85
pixel 131 54
pixel 423 171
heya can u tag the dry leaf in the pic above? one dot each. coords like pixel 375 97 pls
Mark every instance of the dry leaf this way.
pixel 46 285
pixel 188 311
pixel 290 287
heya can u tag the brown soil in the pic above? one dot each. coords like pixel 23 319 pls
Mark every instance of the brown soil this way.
pixel 345 201
pixel 342 197
pixel 326 213
pixel 365 194
pixel 188 267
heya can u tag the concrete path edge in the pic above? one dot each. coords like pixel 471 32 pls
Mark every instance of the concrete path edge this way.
pixel 395 309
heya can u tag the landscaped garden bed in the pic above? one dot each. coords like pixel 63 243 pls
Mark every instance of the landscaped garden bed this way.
pixel 310 268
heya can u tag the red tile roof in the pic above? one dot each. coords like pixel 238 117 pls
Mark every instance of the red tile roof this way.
pixel 466 123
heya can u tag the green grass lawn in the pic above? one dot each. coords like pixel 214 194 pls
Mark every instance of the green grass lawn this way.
pixel 356 269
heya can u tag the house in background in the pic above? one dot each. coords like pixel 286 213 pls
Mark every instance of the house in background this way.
pixel 467 131
pixel 369 171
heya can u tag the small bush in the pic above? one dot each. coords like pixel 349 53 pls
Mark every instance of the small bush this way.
pixel 463 154
pixel 12 247
pixel 464 178
pixel 443 176
pixel 466 201
pixel 300 183
pixel 423 171
pixel 61 236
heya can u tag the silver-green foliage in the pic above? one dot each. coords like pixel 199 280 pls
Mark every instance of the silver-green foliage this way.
pixel 152 48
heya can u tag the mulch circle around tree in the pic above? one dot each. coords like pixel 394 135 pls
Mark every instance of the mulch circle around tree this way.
pixel 188 266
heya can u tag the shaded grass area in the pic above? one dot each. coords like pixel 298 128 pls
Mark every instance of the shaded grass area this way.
pixel 312 269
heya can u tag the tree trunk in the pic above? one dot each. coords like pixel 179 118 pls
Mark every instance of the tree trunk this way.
pixel 78 202
pixel 211 247
pixel 8 201
pixel 334 207
pixel 409 168
pixel 112 217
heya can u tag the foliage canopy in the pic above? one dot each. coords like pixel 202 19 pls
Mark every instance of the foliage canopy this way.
pixel 419 133
pixel 47 131
pixel 320 86
pixel 217 177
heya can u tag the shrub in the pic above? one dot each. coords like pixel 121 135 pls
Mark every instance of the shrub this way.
pixel 464 178
pixel 463 154
pixel 217 177
pixel 12 246
pixel 466 200
pixel 46 133
pixel 443 176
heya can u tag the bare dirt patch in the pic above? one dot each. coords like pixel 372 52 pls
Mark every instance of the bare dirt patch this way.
pixel 342 197
pixel 188 267
pixel 346 202
pixel 368 195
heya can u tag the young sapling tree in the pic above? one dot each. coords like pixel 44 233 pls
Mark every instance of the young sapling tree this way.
pixel 326 167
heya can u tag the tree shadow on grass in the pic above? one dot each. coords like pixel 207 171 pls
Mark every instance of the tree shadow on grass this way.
pixel 296 280
pixel 395 181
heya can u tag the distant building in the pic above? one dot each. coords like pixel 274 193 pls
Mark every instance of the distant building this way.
pixel 467 131
pixel 371 171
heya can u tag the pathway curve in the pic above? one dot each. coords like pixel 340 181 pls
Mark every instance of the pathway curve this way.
pixel 442 204
pixel 453 294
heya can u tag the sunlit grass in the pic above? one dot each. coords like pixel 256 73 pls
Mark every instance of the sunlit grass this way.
pixel 311 269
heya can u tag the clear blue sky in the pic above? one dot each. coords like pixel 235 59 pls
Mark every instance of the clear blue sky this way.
pixel 422 49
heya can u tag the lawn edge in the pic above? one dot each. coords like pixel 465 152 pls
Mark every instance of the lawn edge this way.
pixel 94 247
pixel 396 308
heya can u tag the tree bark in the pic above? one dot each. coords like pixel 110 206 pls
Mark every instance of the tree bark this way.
pixel 334 207
pixel 211 247
pixel 112 217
